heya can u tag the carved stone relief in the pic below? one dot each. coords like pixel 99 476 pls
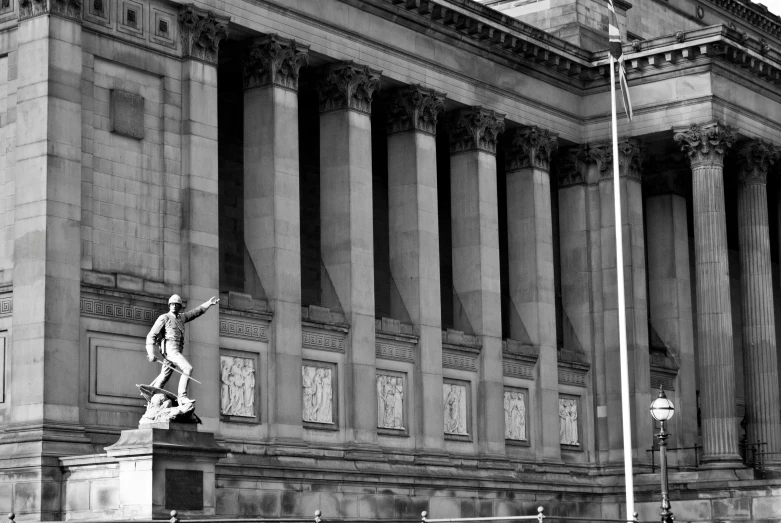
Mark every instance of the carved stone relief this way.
pixel 568 421
pixel 237 389
pixel 390 402
pixel 454 400
pixel 515 415
pixel 318 394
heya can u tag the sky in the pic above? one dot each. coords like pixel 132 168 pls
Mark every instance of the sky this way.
pixel 773 5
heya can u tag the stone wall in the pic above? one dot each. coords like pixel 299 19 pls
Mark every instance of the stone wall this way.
pixel 8 70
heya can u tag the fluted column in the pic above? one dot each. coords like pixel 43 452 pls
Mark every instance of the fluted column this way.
pixel 530 262
pixel 414 246
pixel 272 222
pixel 706 146
pixel 760 363
pixel 347 242
pixel 475 233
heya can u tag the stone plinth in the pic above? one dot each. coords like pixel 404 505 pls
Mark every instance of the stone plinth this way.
pixel 166 466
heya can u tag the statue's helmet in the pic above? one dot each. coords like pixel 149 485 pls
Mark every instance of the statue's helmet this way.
pixel 175 299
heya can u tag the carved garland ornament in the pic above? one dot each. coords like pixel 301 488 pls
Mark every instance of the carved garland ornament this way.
pixel 706 143
pixel 415 108
pixel 274 60
pixel 531 148
pixel 755 157
pixel 201 33
pixel 65 8
pixel 348 86
pixel 475 129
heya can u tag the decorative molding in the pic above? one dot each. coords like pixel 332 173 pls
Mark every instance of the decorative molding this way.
pixel 273 60
pixel 518 369
pixel 348 86
pixel 531 148
pixel 459 361
pixel 389 351
pixel 322 341
pixel 663 378
pixel 755 158
pixel 232 328
pixel 415 108
pixel 117 311
pixel 201 32
pixel 574 166
pixel 475 129
pixel 6 306
pixel 571 373
pixel 631 155
pixel 706 144
pixel 70 9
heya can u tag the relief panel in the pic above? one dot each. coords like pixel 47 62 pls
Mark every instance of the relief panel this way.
pixel 569 424
pixel 319 395
pixel 239 399
pixel 117 363
pixel 391 415
pixel 515 426
pixel 456 402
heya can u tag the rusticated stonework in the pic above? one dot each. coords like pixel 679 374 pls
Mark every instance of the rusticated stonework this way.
pixel 631 155
pixel 273 60
pixel 755 158
pixel 64 8
pixel 415 108
pixel 475 129
pixel 202 31
pixel 348 86
pixel 706 143
pixel 574 165
pixel 666 177
pixel 531 148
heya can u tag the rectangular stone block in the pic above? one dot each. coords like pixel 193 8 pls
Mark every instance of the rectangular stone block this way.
pixel 766 508
pixel 731 508
pixel 130 283
pixel 127 114
pixel 77 496
pixel 98 278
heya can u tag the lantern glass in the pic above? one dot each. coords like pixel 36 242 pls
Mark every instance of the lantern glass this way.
pixel 662 409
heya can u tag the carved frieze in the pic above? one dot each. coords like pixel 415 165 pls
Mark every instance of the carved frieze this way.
pixel 237 386
pixel 273 60
pixel 234 328
pixel 348 86
pixel 201 32
pixel 531 148
pixel 318 393
pixel 755 158
pixel 631 155
pixel 706 144
pixel 6 305
pixel 568 421
pixel 390 402
pixel 455 398
pixel 574 166
pixel 415 108
pixel 475 129
pixel 515 415
pixel 64 8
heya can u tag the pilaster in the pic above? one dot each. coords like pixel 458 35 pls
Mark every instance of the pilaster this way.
pixel 414 246
pixel 475 240
pixel 272 222
pixel 347 241
pixel 706 146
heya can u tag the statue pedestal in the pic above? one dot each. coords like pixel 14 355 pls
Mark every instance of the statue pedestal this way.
pixel 164 467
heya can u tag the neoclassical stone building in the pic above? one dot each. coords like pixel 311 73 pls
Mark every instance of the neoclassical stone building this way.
pixel 406 207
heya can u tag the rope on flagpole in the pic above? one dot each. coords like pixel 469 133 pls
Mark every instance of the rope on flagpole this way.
pixel 630 495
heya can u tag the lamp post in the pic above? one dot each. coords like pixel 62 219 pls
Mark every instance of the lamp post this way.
pixel 662 410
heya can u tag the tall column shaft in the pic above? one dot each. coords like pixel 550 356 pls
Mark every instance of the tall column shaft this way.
pixel 759 330
pixel 347 243
pixel 414 246
pixel 475 237
pixel 200 235
pixel 530 263
pixel 706 147
pixel 272 228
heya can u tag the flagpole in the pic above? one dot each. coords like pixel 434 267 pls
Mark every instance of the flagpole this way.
pixel 630 494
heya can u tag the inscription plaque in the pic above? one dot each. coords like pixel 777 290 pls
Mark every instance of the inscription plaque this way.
pixel 183 489
pixel 127 114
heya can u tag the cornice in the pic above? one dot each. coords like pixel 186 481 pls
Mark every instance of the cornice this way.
pixel 755 15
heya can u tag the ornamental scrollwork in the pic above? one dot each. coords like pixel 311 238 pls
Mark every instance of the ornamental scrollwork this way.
pixel 706 143
pixel 273 60
pixel 631 155
pixel 415 108
pixel 201 32
pixel 475 129
pixel 531 148
pixel 755 158
pixel 348 86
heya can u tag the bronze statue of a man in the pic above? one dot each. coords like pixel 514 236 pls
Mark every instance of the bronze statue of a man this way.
pixel 168 332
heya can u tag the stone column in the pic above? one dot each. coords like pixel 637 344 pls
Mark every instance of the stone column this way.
pixel 272 228
pixel 706 146
pixel 530 261
pixel 630 164
pixel 760 366
pixel 414 246
pixel 475 231
pixel 43 390
pixel 201 33
pixel 347 244
pixel 669 290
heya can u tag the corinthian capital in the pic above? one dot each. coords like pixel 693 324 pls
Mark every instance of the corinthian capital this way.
pixel 574 166
pixel 531 148
pixel 348 86
pixel 273 60
pixel 415 108
pixel 755 158
pixel 706 143
pixel 475 129
pixel 64 8
pixel 631 155
pixel 201 33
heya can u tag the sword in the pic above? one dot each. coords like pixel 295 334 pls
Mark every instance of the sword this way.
pixel 165 362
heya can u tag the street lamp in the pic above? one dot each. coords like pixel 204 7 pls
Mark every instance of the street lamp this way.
pixel 662 410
